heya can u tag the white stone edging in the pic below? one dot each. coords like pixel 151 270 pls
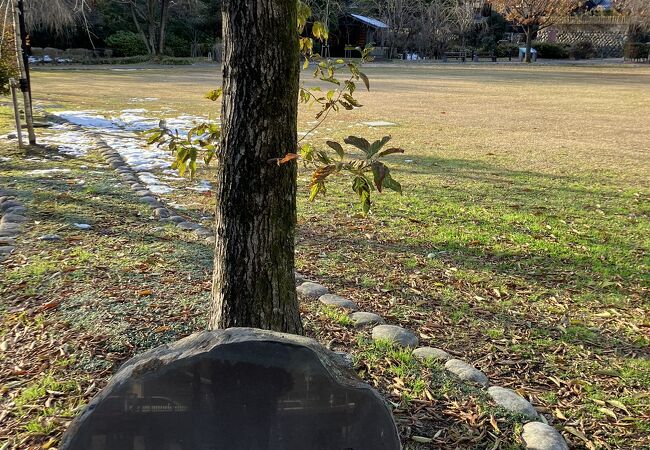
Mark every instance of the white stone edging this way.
pixel 159 210
pixel 537 434
pixel 12 219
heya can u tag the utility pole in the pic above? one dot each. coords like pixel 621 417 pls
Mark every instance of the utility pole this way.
pixel 20 33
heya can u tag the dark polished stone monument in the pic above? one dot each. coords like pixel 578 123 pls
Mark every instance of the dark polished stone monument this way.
pixel 235 389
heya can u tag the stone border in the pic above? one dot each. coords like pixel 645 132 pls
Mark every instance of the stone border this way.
pixel 537 434
pixel 12 219
pixel 160 211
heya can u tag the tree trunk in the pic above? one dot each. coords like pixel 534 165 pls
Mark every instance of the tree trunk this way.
pixel 139 28
pixel 152 39
pixel 164 17
pixel 529 43
pixel 253 281
pixel 151 28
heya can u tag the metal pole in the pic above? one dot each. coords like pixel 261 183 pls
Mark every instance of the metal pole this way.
pixel 24 81
pixel 14 96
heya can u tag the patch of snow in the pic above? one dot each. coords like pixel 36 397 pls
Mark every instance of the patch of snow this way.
pixel 172 174
pixel 48 171
pixel 121 132
pixel 88 119
pixel 83 226
pixel 202 186
pixel 146 99
pixel 154 184
pixel 134 111
pixel 68 142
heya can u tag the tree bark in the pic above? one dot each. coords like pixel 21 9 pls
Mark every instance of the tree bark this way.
pixel 164 17
pixel 529 43
pixel 139 28
pixel 253 281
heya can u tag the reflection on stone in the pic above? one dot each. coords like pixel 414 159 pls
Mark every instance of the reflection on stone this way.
pixel 236 389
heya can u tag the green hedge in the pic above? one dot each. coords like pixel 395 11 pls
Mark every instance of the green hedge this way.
pixel 582 50
pixel 551 50
pixel 126 43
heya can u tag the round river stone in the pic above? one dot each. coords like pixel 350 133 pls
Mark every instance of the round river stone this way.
pixel 431 353
pixel 311 290
pixel 510 400
pixel 539 436
pixel 339 302
pixel 362 319
pixel 395 335
pixel 466 372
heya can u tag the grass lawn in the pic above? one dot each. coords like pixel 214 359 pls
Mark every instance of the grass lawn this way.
pixel 520 245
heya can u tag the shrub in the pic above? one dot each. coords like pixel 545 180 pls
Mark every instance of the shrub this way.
pixel 582 50
pixel 551 50
pixel 177 46
pixel 505 49
pixel 636 51
pixel 126 43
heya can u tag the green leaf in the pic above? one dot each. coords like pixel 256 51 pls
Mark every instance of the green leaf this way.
pixel 361 187
pixel 323 157
pixel 390 151
pixel 377 145
pixel 391 184
pixel 315 189
pixel 350 86
pixel 365 80
pixel 379 172
pixel 214 94
pixel 337 148
pixel 351 100
pixel 304 12
pixel 319 30
pixel 358 142
pixel 307 152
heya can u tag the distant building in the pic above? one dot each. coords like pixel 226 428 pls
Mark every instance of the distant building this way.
pixel 356 31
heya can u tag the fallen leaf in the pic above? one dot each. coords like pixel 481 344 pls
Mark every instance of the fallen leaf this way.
pixel 50 305
pixel 608 412
pixel 619 405
pixel 49 444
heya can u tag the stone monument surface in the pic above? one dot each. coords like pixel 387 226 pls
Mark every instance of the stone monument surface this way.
pixel 235 389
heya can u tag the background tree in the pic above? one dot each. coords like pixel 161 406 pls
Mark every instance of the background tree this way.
pixel 434 27
pixel 534 15
pixel 639 13
pixel 462 17
pixel 55 15
pixel 399 15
